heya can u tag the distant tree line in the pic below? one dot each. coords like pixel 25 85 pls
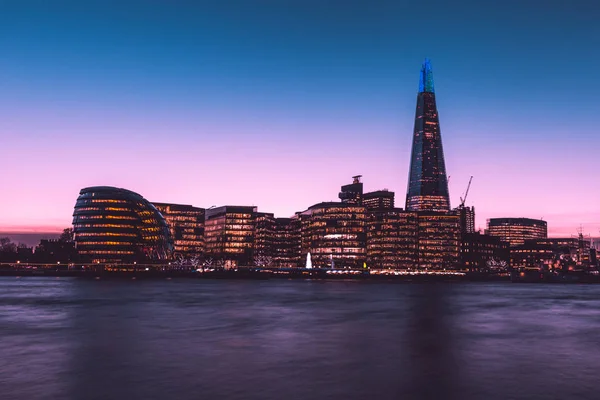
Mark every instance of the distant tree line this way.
pixel 47 251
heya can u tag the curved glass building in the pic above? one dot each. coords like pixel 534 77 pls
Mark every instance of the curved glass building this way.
pixel 118 225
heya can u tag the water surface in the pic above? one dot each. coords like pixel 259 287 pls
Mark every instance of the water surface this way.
pixel 204 339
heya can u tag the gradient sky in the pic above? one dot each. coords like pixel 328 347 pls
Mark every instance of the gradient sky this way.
pixel 278 103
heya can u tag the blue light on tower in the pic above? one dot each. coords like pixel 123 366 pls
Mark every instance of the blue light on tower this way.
pixel 426 78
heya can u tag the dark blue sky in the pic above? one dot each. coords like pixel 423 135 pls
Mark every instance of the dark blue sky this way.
pixel 202 102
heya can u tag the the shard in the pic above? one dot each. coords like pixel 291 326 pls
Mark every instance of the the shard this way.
pixel 427 181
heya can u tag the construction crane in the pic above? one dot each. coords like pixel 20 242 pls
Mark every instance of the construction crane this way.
pixel 462 201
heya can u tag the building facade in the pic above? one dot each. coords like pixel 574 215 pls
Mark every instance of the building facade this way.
pixel 439 239
pixel 287 243
pixel 229 233
pixel 378 200
pixel 264 240
pixel 547 252
pixel 427 183
pixel 352 193
pixel 186 224
pixel 117 225
pixel 467 218
pixel 480 252
pixel 516 230
pixel 392 239
pixel 334 235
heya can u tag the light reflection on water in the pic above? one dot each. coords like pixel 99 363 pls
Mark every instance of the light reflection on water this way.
pixel 187 339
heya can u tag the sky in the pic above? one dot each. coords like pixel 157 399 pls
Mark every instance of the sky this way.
pixel 278 103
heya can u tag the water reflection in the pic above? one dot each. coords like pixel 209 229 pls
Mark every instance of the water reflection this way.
pixel 434 371
pixel 296 340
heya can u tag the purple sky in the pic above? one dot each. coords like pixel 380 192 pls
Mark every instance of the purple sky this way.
pixel 279 106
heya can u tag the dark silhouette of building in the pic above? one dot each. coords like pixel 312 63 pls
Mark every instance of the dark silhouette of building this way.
pixel 352 193
pixel 229 233
pixel 480 252
pixel 516 230
pixel 378 200
pixel 334 233
pixel 427 184
pixel 467 218
pixel 392 239
pixel 186 224
pixel 118 225
pixel 54 250
pixel 547 252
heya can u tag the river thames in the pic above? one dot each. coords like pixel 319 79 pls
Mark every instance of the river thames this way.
pixel 223 339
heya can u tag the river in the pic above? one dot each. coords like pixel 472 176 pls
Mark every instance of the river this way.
pixel 184 339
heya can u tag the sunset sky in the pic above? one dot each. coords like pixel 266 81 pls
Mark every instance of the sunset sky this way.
pixel 279 103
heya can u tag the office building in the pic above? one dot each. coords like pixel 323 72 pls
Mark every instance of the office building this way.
pixel 264 240
pixel 334 234
pixel 467 218
pixel 427 184
pixel 118 225
pixel 575 249
pixel 287 243
pixel 480 252
pixel 516 230
pixel 186 224
pixel 352 193
pixel 392 239
pixel 378 200
pixel 229 235
pixel 439 240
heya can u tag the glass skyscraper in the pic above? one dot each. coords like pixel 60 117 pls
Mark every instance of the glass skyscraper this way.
pixel 427 183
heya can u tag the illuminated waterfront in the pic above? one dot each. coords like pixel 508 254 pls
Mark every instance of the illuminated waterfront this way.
pixel 188 339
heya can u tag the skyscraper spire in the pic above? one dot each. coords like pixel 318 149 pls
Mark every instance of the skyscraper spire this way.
pixel 427 182
pixel 426 78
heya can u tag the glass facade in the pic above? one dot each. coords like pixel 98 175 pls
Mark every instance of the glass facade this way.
pixel 334 233
pixel 287 242
pixel 427 184
pixel 186 224
pixel 264 240
pixel 117 225
pixel 378 200
pixel 439 240
pixel 392 239
pixel 229 235
pixel 516 230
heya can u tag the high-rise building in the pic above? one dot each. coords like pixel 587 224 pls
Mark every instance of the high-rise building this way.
pixel 392 238
pixel 334 234
pixel 352 193
pixel 229 235
pixel 118 225
pixel 378 200
pixel 186 224
pixel 516 230
pixel 427 184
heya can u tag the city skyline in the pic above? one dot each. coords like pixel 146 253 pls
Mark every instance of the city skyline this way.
pixel 152 103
